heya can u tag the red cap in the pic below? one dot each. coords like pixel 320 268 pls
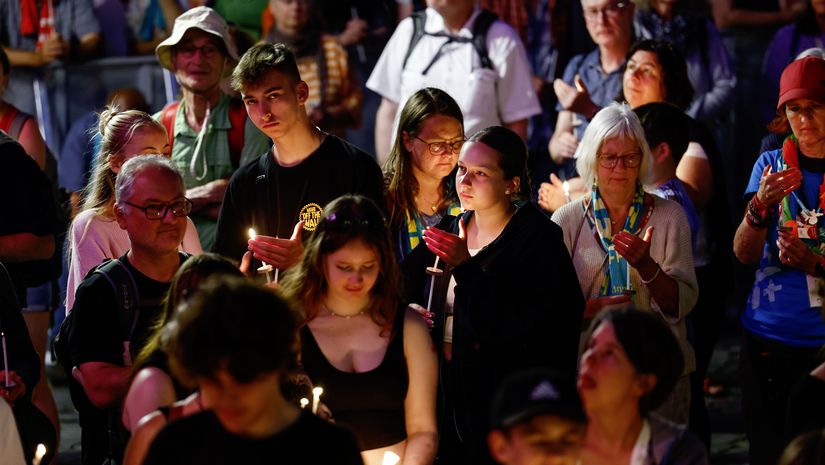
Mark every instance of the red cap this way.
pixel 803 78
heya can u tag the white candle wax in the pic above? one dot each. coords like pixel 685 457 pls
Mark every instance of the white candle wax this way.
pixel 5 360
pixel 432 285
pixel 390 458
pixel 316 398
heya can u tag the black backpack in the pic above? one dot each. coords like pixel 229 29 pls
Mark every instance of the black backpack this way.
pixel 480 28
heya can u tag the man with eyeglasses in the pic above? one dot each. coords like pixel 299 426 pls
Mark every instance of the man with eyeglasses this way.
pixel 210 134
pixel 592 80
pixel 150 204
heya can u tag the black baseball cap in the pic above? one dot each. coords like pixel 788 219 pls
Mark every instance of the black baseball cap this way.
pixel 533 392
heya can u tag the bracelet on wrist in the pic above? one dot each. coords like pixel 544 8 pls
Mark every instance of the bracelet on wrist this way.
pixel 655 275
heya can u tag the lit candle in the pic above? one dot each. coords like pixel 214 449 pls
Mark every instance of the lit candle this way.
pixel 264 268
pixel 5 360
pixel 39 453
pixel 316 398
pixel 565 186
pixel 433 271
pixel 390 458
pixel 304 402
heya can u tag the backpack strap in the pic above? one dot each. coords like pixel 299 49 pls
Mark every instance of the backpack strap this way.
pixel 418 19
pixel 481 26
pixel 167 119
pixel 235 137
pixel 127 296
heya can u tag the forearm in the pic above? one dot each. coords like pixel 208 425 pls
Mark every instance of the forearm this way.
pixel 23 247
pixel 89 46
pixel 24 58
pixel 519 127
pixel 384 118
pixel 664 289
pixel 749 242
pixel 207 195
pixel 105 384
pixel 421 448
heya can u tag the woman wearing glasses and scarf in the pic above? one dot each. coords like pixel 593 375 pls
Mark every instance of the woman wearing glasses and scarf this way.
pixel 374 360
pixel 507 298
pixel 782 231
pixel 629 247
pixel 420 171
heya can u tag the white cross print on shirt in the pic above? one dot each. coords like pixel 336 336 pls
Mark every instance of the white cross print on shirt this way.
pixel 771 290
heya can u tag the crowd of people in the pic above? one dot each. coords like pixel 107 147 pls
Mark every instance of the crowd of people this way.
pixel 452 231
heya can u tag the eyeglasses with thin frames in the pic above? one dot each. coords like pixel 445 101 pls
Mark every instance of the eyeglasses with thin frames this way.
pixel 158 212
pixel 630 160
pixel 207 51
pixel 440 148
pixel 612 11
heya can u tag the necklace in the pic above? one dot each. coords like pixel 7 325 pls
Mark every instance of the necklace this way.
pixel 346 317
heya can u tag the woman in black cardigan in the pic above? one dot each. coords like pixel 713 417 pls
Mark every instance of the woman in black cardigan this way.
pixel 508 297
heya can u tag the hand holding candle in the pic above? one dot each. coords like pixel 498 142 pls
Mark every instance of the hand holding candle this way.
pixel 264 268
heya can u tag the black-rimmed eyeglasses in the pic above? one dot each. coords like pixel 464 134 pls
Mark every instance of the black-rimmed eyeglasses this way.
pixel 158 211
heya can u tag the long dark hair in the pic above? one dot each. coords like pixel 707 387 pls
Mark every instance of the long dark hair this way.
pixel 347 218
pixel 401 184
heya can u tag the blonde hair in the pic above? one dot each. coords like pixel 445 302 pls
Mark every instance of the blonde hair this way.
pixel 616 120
pixel 116 129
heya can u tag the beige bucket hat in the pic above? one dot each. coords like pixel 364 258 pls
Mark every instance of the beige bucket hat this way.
pixel 207 20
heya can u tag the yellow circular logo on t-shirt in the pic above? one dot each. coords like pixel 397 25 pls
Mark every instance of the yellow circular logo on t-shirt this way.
pixel 310 215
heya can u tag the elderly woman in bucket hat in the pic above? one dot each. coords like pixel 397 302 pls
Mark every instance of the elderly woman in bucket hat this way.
pixel 210 133
pixel 783 230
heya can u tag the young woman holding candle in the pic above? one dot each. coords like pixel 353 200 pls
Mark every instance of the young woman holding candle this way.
pixel 508 298
pixel 629 246
pixel 375 362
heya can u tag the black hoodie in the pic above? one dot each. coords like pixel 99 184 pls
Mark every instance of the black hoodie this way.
pixel 517 305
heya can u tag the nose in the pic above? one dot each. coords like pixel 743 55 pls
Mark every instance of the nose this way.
pixel 168 217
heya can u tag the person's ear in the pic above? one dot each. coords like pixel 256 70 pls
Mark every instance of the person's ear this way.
pixel 120 216
pixel 499 446
pixel 513 185
pixel 408 141
pixel 115 162
pixel 646 383
pixel 302 92
pixel 661 152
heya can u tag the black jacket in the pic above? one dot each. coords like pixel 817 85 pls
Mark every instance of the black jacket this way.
pixel 518 304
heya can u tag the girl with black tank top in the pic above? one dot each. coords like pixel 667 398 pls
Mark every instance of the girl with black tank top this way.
pixel 376 363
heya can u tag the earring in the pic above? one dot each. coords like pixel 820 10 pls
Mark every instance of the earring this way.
pixel 507 191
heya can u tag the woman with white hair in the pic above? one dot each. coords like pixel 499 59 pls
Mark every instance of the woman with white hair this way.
pixel 630 247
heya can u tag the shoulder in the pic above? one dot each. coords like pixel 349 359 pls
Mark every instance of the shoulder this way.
pixel 249 171
pixel 784 34
pixel 668 211
pixel 568 213
pixel 501 30
pixel 674 442
pixel 348 154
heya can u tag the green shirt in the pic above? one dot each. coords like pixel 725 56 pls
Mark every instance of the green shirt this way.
pixel 214 161
pixel 244 13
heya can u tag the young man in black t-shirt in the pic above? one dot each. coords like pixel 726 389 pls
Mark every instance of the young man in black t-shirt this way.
pixel 215 341
pixel 281 194
pixel 151 207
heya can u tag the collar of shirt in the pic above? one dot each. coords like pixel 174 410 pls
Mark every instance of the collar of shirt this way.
pixel 434 23
pixel 219 118
pixel 593 64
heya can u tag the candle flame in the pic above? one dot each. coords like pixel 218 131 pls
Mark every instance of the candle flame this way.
pixel 565 187
pixel 304 402
pixel 317 391
pixel 390 458
pixel 39 453
pixel 252 233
